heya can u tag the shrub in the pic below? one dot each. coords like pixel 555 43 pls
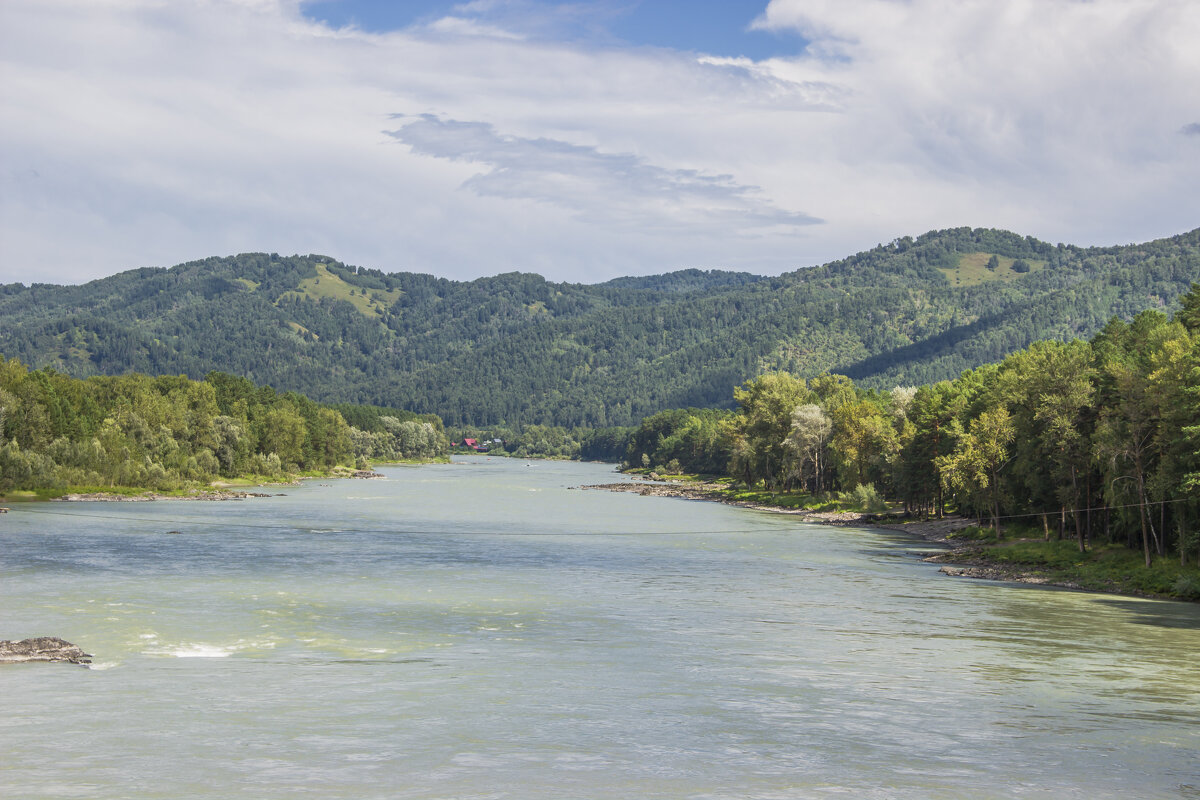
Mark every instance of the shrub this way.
pixel 1187 587
pixel 867 499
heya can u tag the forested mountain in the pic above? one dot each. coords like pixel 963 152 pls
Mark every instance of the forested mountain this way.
pixel 518 349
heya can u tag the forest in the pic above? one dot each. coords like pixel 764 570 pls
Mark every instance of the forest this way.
pixel 515 350
pixel 1096 440
pixel 171 433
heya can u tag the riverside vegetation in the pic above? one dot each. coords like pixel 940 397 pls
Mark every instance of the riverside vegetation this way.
pixel 1091 447
pixel 170 434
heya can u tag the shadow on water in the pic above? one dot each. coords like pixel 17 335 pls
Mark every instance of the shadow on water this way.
pixel 1163 614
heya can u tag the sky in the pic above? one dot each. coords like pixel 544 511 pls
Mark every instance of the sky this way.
pixel 587 139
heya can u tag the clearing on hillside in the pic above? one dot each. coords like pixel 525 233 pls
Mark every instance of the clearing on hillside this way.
pixel 973 269
pixel 369 302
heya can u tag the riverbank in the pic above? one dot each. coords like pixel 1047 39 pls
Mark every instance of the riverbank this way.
pixel 149 497
pixel 216 491
pixel 971 552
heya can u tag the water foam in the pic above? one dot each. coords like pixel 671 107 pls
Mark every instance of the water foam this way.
pixel 196 650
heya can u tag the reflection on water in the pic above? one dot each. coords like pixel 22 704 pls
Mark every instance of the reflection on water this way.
pixel 484 630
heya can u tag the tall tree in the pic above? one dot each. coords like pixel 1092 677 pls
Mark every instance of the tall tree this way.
pixel 1049 388
pixel 763 423
pixel 808 442
pixel 981 453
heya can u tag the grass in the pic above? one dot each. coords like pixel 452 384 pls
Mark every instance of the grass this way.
pixel 410 462
pixel 774 499
pixel 50 493
pixel 185 489
pixel 18 496
pixel 727 488
pixel 300 329
pixel 972 270
pixel 369 302
pixel 1103 568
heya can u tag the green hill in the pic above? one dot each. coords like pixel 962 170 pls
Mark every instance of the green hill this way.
pixel 516 348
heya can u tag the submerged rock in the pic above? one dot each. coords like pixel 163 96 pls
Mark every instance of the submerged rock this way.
pixel 43 648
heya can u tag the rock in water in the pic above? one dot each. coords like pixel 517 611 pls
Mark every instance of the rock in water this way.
pixel 43 648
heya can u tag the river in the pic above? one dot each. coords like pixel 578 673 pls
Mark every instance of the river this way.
pixel 483 629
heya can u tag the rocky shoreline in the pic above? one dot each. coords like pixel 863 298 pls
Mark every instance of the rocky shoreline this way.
pixel 149 497
pixel 959 561
pixel 937 530
pixel 218 492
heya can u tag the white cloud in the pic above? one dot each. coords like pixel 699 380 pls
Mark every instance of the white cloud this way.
pixel 1059 116
pixel 586 181
pixel 140 132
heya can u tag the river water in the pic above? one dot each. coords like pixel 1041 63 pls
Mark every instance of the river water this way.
pixel 484 630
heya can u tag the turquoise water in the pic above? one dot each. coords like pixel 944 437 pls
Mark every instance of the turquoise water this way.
pixel 483 630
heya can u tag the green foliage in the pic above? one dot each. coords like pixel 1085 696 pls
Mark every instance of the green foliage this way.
pixel 1103 568
pixel 548 441
pixel 514 349
pixel 1187 587
pixel 1101 438
pixel 974 533
pixel 696 439
pixel 1189 309
pixel 170 432
pixel 865 440
pixel 865 498
pixel 762 425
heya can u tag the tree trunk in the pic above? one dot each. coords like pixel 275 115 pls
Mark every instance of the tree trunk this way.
pixel 1076 515
pixel 937 438
pixel 1046 526
pixel 1183 537
pixel 1087 511
pixel 996 505
pixel 1154 534
pixel 1162 526
pixel 1142 516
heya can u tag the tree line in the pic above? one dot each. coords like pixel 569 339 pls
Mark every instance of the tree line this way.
pixel 514 350
pixel 170 432
pixel 1098 440
pixel 549 441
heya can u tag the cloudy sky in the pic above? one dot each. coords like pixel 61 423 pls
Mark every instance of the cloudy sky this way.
pixel 584 139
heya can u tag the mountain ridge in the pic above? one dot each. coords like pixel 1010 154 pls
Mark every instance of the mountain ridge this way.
pixel 517 348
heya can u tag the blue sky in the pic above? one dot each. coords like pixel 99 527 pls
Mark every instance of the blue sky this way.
pixel 716 27
pixel 584 140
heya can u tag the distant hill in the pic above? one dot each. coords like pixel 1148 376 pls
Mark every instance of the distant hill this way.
pixel 516 348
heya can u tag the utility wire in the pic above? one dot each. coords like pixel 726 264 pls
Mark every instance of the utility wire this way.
pixel 1085 510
